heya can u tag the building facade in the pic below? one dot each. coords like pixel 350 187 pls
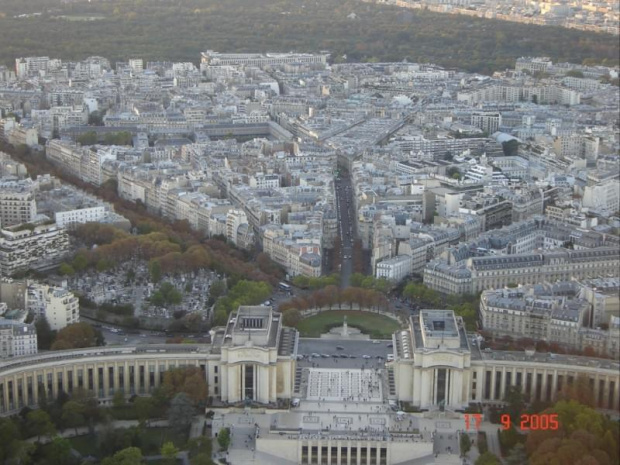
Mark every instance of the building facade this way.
pixel 17 339
pixel 59 306
pixel 39 247
pixel 480 273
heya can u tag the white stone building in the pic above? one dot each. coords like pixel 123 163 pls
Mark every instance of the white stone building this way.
pixel 59 306
pixel 17 339
pixel 395 269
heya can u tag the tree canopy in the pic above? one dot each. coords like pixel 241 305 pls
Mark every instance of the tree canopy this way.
pixel 128 456
pixel 127 29
pixel 76 336
pixel 584 437
pixel 188 380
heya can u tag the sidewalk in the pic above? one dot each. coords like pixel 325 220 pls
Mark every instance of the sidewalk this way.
pixel 492 440
pixel 84 430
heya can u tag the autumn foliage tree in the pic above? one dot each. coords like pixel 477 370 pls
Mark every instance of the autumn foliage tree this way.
pixel 76 336
pixel 331 297
pixel 584 437
pixel 579 390
pixel 188 380
pixel 168 250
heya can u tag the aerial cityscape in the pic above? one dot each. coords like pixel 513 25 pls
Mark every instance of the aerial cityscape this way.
pixel 307 258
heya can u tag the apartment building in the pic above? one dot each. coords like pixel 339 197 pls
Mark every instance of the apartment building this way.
pixel 295 247
pixel 264 181
pixel 479 273
pixel 17 202
pixel 259 59
pixel 603 196
pixel 29 66
pixel 577 146
pixel 395 269
pixel 29 246
pixel 488 121
pixel 533 64
pixel 69 219
pixel 59 306
pixel 547 95
pixel 238 230
pixel 554 313
pixel 17 339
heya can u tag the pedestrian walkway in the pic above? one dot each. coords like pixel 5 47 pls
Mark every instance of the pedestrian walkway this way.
pixel 83 430
pixel 328 384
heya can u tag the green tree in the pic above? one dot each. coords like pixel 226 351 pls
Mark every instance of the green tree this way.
pixel 87 138
pixel 95 118
pixel 181 412
pixel 510 147
pixel 582 433
pixel 217 289
pixel 13 450
pixel 169 451
pixel 574 73
pixel 169 294
pixel 515 403
pixel 488 458
pixel 91 411
pixel 21 453
pixel 45 335
pixel 103 265
pixel 155 270
pixel 59 451
pixel 223 438
pixel 40 424
pixel 118 401
pixel 66 270
pixel 72 415
pixel 80 261
pixel 465 444
pixel 517 456
pixel 145 408
pixel 128 456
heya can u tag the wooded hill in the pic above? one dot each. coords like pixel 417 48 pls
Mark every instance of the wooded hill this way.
pixel 178 30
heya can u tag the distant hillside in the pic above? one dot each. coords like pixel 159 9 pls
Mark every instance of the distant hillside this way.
pixel 180 29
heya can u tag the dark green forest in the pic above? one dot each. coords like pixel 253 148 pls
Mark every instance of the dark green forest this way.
pixel 180 29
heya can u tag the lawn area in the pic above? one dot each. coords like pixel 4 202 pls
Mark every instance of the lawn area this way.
pixel 85 445
pixel 150 442
pixel 153 438
pixel 377 326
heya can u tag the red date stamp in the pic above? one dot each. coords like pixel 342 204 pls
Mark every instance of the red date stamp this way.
pixel 473 420
pixel 534 422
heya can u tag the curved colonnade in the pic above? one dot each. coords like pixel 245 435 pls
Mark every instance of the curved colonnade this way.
pixel 139 370
pixel 104 371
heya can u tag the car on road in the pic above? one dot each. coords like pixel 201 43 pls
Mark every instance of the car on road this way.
pixel 339 348
pixel 366 356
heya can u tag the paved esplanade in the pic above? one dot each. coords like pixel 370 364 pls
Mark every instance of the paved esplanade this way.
pixel 344 385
